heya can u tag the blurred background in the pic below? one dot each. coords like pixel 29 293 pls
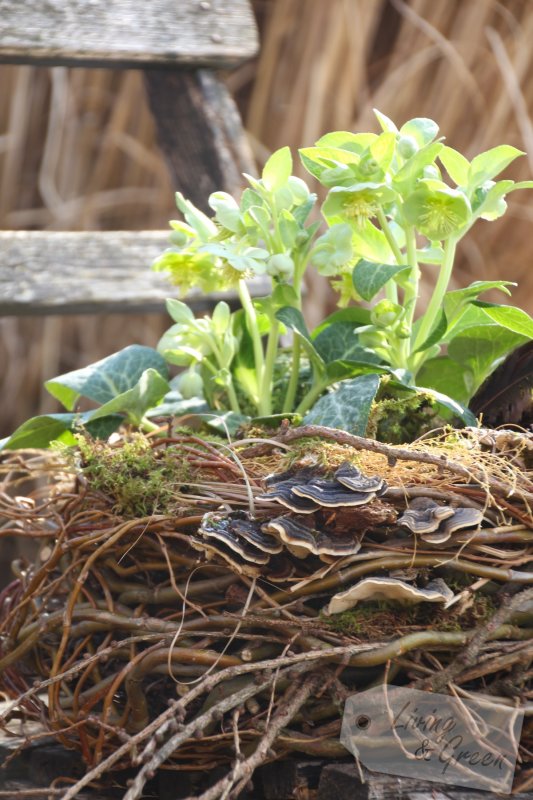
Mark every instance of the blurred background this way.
pixel 78 148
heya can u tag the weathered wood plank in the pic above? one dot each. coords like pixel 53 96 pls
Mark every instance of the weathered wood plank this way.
pixel 200 133
pixel 73 273
pixel 125 33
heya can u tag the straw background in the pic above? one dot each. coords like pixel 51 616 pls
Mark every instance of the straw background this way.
pixel 78 148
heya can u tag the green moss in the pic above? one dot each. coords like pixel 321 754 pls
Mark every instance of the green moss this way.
pixel 138 479
pixel 386 618
pixel 397 420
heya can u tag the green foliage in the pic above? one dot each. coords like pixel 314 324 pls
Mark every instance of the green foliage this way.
pixel 398 202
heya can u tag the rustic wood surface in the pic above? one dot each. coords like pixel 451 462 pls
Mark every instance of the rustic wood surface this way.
pixel 200 132
pixel 126 33
pixel 70 273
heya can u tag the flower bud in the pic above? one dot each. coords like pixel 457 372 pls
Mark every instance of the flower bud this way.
pixel 432 172
pixel 368 166
pixel 385 314
pixel 280 266
pixel 301 237
pixel 178 238
pixel 298 189
pixel 407 146
pixel 190 385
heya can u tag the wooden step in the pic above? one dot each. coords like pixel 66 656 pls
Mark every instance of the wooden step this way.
pixel 43 272
pixel 126 33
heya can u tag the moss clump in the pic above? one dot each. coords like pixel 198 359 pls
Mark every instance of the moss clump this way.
pixel 375 620
pixel 139 479
pixel 397 420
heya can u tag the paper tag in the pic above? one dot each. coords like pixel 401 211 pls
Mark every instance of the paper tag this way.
pixel 434 737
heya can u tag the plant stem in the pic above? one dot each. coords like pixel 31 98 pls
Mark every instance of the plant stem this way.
pixel 292 387
pixel 232 397
pixel 391 289
pixel 435 304
pixel 265 393
pixel 312 395
pixel 251 317
pixel 411 291
pixel 148 426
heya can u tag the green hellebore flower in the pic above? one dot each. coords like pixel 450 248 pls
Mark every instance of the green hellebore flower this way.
pixel 357 203
pixel 333 250
pixel 436 210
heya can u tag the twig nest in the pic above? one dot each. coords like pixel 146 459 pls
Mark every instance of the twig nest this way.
pixel 390 589
pixel 302 540
pixel 435 523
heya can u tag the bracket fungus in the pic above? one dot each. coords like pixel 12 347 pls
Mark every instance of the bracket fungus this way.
pixel 435 523
pixel 302 540
pixel 305 493
pixel 381 588
pixel 352 478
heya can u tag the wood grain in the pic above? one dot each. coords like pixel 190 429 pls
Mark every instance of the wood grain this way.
pixel 68 273
pixel 124 33
pixel 200 133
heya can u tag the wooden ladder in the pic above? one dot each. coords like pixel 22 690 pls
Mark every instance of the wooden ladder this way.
pixel 177 44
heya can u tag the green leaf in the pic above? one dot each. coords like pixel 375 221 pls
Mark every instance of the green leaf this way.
pixel 277 169
pixel 339 341
pixel 407 176
pixel 382 150
pixel 436 334
pixel 200 222
pixel 105 379
pixel 455 164
pixel 180 312
pixel 509 317
pixel 227 211
pixel 445 375
pixel 284 295
pixel 347 407
pixel 456 300
pixel 423 130
pixel 487 165
pixel 358 316
pixel 369 277
pixel 40 432
pixel 479 348
pixel 174 405
pixel 344 140
pixel 385 123
pixel 350 368
pixel 293 319
pixel 370 243
pixel 135 402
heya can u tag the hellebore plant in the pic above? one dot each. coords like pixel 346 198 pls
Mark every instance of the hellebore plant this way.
pixel 398 202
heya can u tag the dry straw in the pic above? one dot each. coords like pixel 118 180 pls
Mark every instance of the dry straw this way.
pixel 78 147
